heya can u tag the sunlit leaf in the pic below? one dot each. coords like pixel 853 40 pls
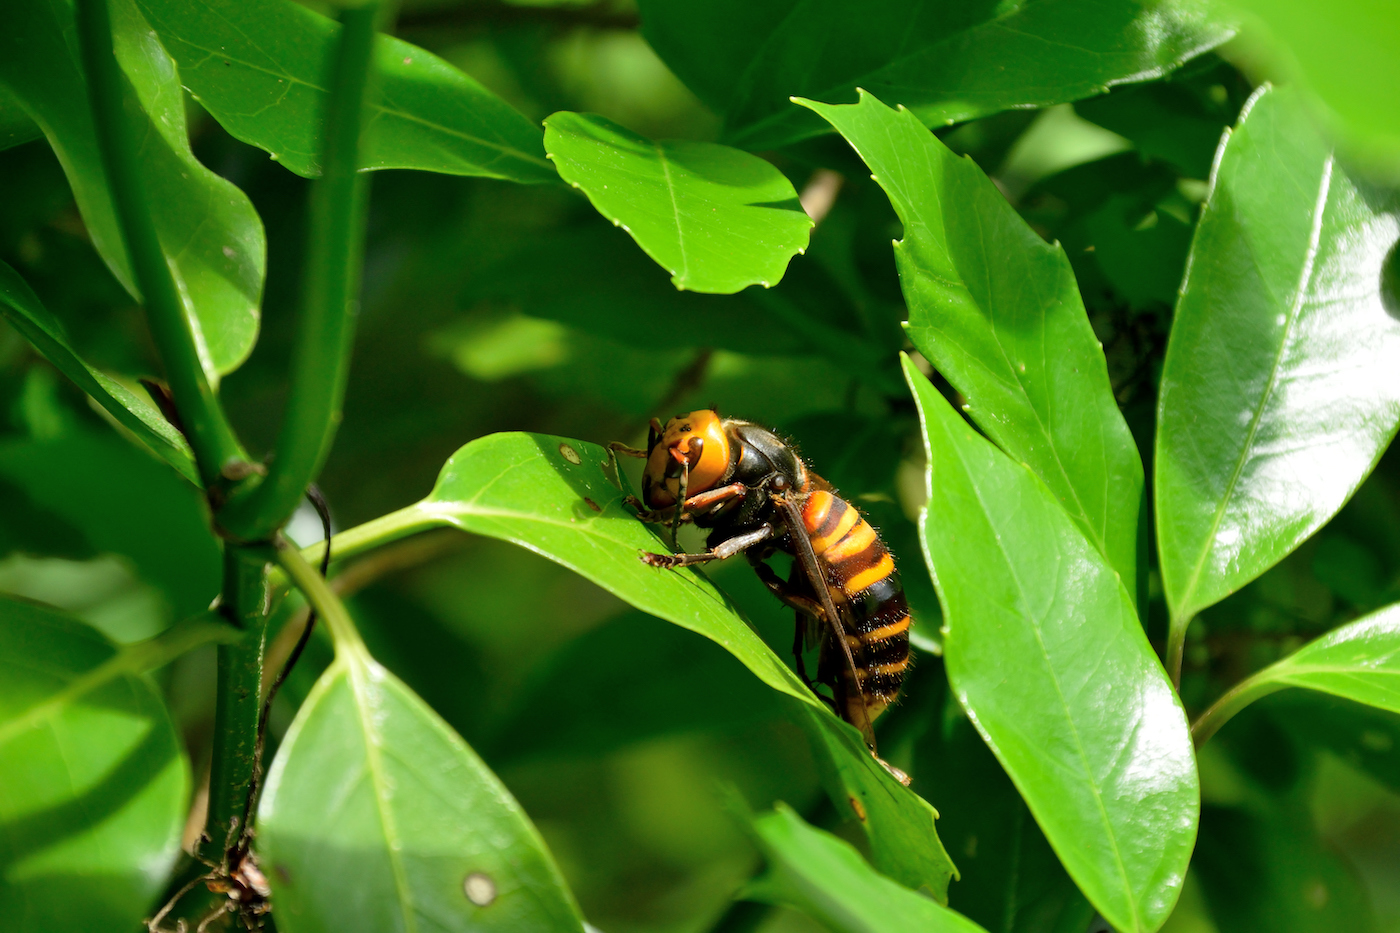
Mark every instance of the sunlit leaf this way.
pixel 558 497
pixel 1280 388
pixel 944 62
pixel 93 785
pixel 211 235
pixel 826 878
pixel 377 816
pixel 718 219
pixel 994 307
pixel 260 68
pixel 22 308
pixel 1048 658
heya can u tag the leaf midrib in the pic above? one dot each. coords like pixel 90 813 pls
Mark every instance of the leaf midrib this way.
pixel 1184 612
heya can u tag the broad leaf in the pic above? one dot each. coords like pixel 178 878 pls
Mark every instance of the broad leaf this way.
pixel 22 308
pixel 561 498
pixel 825 878
pixel 93 784
pixel 1280 389
pixel 371 785
pixel 211 235
pixel 126 503
pixel 945 62
pixel 1048 658
pixel 995 309
pixel 260 68
pixel 15 126
pixel 716 218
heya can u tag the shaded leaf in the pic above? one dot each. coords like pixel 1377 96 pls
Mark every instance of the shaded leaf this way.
pixel 996 310
pixel 93 784
pixel 15 126
pixel 1279 390
pixel 124 502
pixel 560 498
pixel 944 62
pixel 370 784
pixel 211 235
pixel 826 878
pixel 260 66
pixel 716 218
pixel 22 308
pixel 1045 653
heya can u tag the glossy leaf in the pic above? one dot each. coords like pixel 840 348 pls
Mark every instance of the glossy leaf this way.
pixel 260 68
pixel 944 62
pixel 559 498
pixel 211 235
pixel 716 218
pixel 93 785
pixel 995 309
pixel 825 878
pixel 1279 390
pixel 1048 658
pixel 26 314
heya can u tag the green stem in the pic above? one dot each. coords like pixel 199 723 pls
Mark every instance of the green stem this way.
pixel 1231 702
pixel 211 437
pixel 239 697
pixel 318 593
pixel 330 300
pixel 1176 647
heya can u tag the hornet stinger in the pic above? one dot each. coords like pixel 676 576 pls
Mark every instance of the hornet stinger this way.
pixel 757 496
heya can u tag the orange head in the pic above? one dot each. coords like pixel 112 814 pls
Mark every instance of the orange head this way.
pixel 696 440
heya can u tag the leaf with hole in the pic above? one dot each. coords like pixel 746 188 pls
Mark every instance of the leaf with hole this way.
pixel 210 233
pixel 994 307
pixel 260 68
pixel 1279 390
pixel 718 219
pixel 1048 658
pixel 93 783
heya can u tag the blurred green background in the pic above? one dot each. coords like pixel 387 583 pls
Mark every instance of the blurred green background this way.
pixel 491 306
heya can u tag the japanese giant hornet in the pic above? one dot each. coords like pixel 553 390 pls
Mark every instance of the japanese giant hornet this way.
pixel 758 497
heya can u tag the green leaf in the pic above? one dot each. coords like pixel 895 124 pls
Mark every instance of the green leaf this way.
pixel 125 503
pixel 944 62
pixel 827 879
pixel 22 308
pixel 15 126
pixel 1359 661
pixel 995 309
pixel 716 218
pixel 1279 390
pixel 1045 653
pixel 370 786
pixel 212 237
pixel 93 785
pixel 1346 60
pixel 260 68
pixel 559 498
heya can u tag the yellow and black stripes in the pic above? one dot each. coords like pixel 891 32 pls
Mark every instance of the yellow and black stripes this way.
pixel 860 567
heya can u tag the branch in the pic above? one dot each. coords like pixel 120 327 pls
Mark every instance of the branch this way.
pixel 330 301
pixel 211 437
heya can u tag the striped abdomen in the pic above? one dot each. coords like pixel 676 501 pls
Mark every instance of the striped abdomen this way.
pixel 860 569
